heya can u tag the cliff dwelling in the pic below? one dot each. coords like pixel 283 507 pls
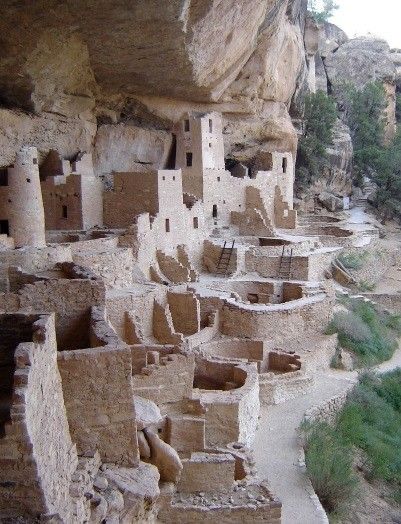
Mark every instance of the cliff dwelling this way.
pixel 162 288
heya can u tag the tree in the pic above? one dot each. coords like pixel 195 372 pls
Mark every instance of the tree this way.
pixel 319 119
pixel 381 162
pixel 322 10
pixel 365 115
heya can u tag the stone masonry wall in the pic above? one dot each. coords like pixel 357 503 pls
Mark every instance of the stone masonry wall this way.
pixel 277 322
pixel 99 402
pixel 113 266
pixel 37 454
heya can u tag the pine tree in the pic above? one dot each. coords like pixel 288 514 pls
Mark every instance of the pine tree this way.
pixel 319 119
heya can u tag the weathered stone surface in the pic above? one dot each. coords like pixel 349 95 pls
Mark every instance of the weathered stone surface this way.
pixel 340 152
pixel 143 446
pixel 320 74
pixel 311 36
pixel 395 56
pixel 46 131
pixel 139 488
pixel 98 509
pixel 330 202
pixel 146 412
pixel 360 61
pixel 201 46
pixel 164 457
pixel 128 148
pixel 100 482
pixel 85 61
pixel 331 38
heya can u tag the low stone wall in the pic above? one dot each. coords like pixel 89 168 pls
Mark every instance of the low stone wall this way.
pixel 139 304
pixel 168 381
pixel 232 415
pixel 251 350
pixel 277 321
pixel 328 410
pixel 269 266
pixel 388 301
pixel 185 312
pixel 277 389
pixel 231 508
pixel 206 334
pixel 70 299
pixel 101 331
pixel 31 259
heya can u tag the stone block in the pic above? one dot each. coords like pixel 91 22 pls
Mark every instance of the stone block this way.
pixel 207 472
pixel 186 433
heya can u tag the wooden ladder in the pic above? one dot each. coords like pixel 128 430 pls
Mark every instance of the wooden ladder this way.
pixel 284 271
pixel 224 259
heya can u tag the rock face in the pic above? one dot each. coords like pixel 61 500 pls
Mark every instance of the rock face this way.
pixel 395 55
pixel 334 62
pixel 116 76
pixel 146 412
pixel 331 38
pixel 358 62
pixel 340 153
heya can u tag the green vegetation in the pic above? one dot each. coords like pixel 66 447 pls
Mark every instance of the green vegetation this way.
pixel 329 466
pixel 369 422
pixel 365 117
pixel 365 286
pixel 320 117
pixel 354 260
pixel 373 157
pixel 322 10
pixel 370 334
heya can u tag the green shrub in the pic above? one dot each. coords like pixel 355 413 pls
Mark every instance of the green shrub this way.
pixel 329 466
pixel 353 260
pixel 371 420
pixel 369 426
pixel 366 332
pixel 365 285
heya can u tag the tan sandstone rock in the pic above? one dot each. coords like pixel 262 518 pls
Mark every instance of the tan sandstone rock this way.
pixel 164 457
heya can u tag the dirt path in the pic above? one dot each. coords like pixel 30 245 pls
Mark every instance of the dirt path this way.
pixel 277 446
pixel 277 449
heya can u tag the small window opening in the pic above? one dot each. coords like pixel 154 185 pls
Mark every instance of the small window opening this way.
pixel 4 227
pixel 28 180
pixel 214 212
pixel 186 125
pixel 189 159
pixel 173 177
pixel 284 164
pixel 167 225
pixel 196 223
pixel 64 212
pixel 210 125
pixel 218 179
pixel 163 177
pixel 4 177
pixel 35 161
pixel 210 144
